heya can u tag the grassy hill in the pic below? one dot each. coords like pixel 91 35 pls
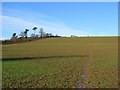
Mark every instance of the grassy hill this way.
pixel 62 62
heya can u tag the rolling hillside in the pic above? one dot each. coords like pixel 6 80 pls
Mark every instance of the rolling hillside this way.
pixel 62 62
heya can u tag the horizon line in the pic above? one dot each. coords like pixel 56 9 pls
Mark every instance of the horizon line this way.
pixel 75 36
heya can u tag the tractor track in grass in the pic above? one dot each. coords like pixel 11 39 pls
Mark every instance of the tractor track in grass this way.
pixel 86 69
pixel 44 57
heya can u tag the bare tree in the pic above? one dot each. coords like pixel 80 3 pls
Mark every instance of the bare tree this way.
pixel 42 33
pixel 22 34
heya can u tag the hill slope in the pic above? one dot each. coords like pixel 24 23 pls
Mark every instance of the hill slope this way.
pixel 70 62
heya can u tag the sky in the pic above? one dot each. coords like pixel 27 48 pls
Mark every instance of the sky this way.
pixel 61 18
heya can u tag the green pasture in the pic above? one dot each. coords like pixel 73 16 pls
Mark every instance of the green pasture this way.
pixel 60 62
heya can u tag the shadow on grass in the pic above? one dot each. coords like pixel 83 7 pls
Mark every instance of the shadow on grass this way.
pixel 46 57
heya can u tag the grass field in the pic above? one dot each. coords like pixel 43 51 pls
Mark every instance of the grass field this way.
pixel 62 62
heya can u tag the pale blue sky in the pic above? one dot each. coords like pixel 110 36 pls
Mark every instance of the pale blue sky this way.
pixel 81 19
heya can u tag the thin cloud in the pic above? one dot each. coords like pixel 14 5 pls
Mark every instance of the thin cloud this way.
pixel 12 24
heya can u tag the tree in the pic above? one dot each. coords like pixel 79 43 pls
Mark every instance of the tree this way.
pixel 73 36
pixel 47 34
pixel 42 33
pixel 25 32
pixel 50 34
pixel 32 35
pixel 34 28
pixel 22 34
pixel 14 36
